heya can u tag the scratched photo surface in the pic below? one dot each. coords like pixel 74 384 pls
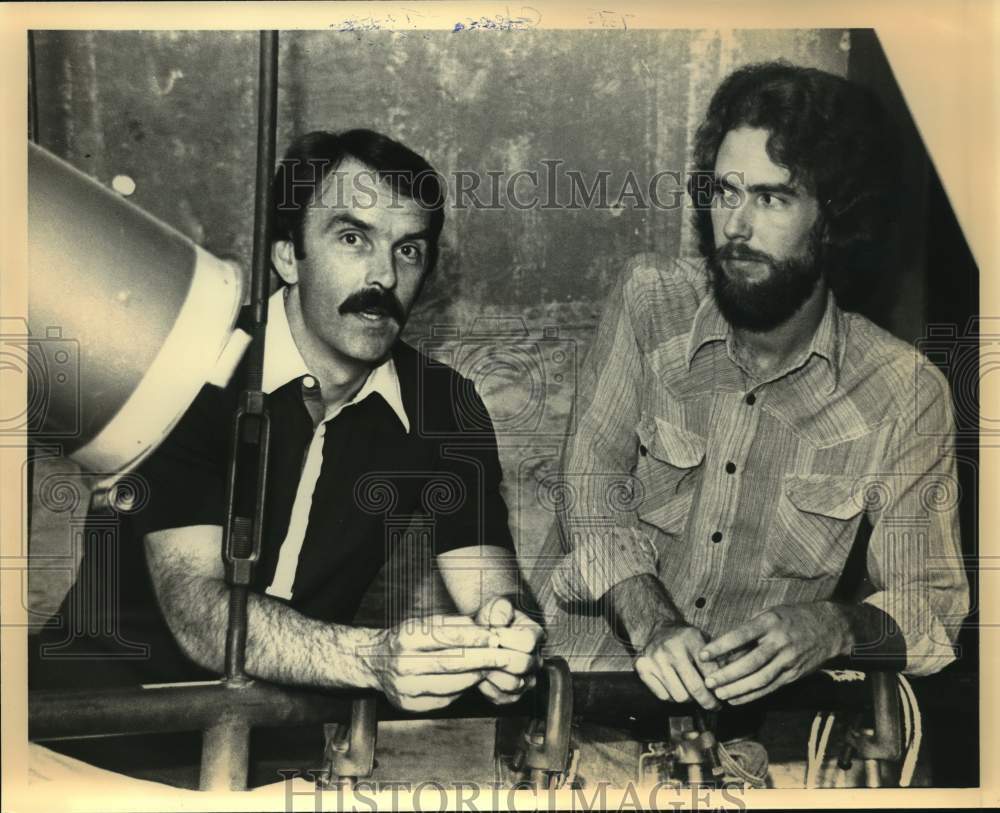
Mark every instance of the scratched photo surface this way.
pixel 565 155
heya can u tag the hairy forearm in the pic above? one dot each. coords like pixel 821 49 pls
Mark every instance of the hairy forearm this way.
pixel 283 645
pixel 642 604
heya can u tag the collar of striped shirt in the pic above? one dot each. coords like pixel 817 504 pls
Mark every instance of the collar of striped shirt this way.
pixel 283 363
pixel 828 342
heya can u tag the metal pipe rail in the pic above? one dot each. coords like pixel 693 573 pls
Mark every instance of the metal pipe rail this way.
pixel 607 697
pixel 227 711
pixel 57 714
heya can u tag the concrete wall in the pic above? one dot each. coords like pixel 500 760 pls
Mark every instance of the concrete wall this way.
pixel 175 112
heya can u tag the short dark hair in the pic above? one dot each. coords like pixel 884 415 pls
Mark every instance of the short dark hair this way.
pixel 836 139
pixel 297 181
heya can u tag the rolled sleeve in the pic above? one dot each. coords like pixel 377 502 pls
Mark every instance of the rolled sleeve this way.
pixel 598 524
pixel 597 564
pixel 914 557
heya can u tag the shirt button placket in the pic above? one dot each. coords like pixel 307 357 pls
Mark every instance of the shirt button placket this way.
pixel 744 422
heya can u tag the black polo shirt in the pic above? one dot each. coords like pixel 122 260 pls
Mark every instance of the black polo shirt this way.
pixel 375 478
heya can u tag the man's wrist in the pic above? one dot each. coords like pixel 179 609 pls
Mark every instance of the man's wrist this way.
pixel 869 632
pixel 369 653
pixel 644 608
pixel 842 629
pixel 661 626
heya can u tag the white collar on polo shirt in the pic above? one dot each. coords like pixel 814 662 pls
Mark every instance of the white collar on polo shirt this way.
pixel 283 363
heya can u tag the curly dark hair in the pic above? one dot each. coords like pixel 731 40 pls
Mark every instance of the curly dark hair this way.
pixel 836 139
pixel 311 157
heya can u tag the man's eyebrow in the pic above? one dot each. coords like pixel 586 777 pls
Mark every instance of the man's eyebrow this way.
pixel 423 234
pixel 773 189
pixel 342 219
pixel 759 188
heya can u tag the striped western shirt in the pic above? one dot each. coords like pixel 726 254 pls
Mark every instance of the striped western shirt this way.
pixel 741 494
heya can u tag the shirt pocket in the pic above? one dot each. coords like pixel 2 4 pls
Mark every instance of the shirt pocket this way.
pixel 815 526
pixel 669 468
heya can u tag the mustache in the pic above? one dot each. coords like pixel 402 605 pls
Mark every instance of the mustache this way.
pixel 738 251
pixel 374 300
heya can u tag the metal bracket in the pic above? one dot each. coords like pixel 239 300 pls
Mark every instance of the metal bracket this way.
pixel 349 753
pixel 540 746
pixel 547 755
pixel 694 747
pixel 885 741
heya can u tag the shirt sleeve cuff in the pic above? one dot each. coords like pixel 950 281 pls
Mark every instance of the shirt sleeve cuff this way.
pixel 601 558
pixel 929 647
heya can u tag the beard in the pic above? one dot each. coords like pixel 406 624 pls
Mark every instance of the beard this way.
pixel 764 305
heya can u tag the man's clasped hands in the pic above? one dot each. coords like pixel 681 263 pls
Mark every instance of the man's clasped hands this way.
pixel 426 663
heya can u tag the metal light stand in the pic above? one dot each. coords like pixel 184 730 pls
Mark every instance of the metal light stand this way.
pixel 225 745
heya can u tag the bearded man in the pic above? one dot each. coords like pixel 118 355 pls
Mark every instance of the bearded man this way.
pixel 757 422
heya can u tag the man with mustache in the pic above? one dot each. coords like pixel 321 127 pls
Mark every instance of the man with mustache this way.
pixel 364 441
pixel 758 421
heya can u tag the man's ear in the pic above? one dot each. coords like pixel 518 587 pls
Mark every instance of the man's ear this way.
pixel 283 259
pixel 821 230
